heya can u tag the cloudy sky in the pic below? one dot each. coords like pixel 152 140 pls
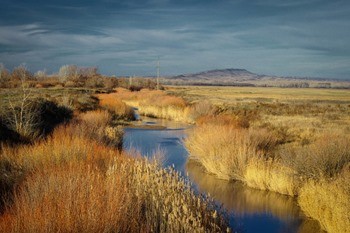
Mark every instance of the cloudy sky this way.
pixel 125 37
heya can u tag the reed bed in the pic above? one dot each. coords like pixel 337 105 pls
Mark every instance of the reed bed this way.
pixel 71 182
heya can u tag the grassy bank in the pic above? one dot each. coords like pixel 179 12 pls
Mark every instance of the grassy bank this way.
pixel 154 103
pixel 290 141
pixel 71 183
pixel 77 179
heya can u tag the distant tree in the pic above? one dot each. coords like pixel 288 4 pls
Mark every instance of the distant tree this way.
pixel 68 73
pixel 21 74
pixel 88 71
pixel 4 76
pixel 40 74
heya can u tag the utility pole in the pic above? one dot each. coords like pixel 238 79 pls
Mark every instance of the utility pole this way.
pixel 130 81
pixel 158 67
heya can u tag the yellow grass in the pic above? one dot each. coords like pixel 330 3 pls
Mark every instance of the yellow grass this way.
pixel 155 103
pixel 231 153
pixel 297 111
pixel 328 201
pixel 221 95
pixel 273 176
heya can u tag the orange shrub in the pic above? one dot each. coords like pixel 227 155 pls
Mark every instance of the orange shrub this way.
pixel 115 105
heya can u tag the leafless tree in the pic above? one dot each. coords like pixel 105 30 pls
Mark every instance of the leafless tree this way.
pixel 68 73
pixel 40 74
pixel 23 115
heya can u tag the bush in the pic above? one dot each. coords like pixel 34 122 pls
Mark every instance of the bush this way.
pixel 324 158
pixel 226 151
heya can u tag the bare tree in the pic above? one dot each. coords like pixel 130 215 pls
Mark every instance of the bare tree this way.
pixel 23 115
pixel 69 73
pixel 40 74
pixel 88 71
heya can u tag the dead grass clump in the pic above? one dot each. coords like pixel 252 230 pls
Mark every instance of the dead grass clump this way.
pixel 97 118
pixel 226 151
pixel 132 196
pixel 328 201
pixel 70 198
pixel 96 126
pixel 324 158
pixel 11 175
pixel 247 155
pixel 167 203
pixel 273 176
pixel 116 106
pixel 202 108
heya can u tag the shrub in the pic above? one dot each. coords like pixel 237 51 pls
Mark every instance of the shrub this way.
pixel 226 151
pixel 323 158
pixel 96 125
pixel 116 106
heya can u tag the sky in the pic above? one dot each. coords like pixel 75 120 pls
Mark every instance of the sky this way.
pixel 305 38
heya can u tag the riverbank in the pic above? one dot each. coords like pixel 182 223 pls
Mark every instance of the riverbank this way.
pixel 269 145
pixel 294 146
pixel 77 179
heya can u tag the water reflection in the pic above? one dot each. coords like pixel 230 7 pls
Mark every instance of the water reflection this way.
pixel 251 209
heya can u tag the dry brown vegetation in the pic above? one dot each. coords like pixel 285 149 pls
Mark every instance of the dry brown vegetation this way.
pixel 155 103
pixel 74 184
pixel 112 103
pixel 76 180
pixel 300 148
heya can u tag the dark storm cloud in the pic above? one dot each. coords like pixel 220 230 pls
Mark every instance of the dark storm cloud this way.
pixel 305 38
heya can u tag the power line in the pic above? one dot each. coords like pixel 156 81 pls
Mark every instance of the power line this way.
pixel 158 69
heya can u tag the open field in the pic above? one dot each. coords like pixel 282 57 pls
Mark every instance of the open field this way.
pixel 229 95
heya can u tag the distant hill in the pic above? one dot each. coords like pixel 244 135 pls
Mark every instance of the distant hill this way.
pixel 242 77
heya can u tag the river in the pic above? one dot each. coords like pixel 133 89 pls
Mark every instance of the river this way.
pixel 250 210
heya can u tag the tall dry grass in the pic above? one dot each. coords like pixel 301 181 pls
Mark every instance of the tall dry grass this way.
pixel 247 155
pixel 328 201
pixel 227 151
pixel 318 173
pixel 115 105
pixel 97 125
pixel 76 184
pixel 323 158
